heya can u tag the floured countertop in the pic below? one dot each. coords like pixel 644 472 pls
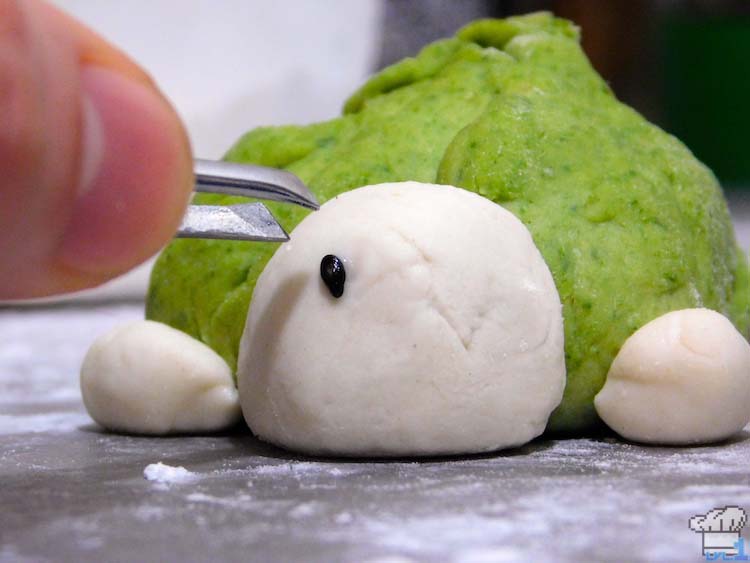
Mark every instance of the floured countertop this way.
pixel 70 492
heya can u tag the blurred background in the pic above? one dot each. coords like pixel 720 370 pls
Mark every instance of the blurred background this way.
pixel 231 65
pixel 684 64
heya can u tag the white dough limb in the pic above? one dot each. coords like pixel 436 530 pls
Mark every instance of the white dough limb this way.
pixel 683 378
pixel 148 378
pixel 448 337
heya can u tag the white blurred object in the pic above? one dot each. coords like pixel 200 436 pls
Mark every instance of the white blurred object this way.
pixel 231 65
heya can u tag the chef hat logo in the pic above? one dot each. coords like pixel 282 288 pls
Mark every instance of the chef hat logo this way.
pixel 727 519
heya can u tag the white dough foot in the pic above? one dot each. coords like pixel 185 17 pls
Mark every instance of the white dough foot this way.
pixel 148 378
pixel 683 378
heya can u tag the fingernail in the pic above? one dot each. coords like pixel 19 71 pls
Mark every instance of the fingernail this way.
pixel 92 145
pixel 135 175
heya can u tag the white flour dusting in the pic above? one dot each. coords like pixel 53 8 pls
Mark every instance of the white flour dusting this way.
pixel 390 559
pixel 489 555
pixel 242 502
pixel 149 513
pixel 587 494
pixel 168 474
pixel 40 359
pixel 303 468
pixel 42 350
pixel 53 422
pixel 343 518
pixel 304 510
pixel 236 501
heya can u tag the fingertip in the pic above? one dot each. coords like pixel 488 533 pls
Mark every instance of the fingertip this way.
pixel 135 177
pixel 92 49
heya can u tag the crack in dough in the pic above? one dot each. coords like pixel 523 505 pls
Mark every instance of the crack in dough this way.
pixel 433 300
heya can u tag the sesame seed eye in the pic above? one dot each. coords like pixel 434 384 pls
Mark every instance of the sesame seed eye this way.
pixel 333 274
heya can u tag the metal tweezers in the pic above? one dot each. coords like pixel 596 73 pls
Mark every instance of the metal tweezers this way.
pixel 245 221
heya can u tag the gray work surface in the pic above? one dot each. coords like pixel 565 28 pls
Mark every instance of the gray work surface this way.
pixel 71 492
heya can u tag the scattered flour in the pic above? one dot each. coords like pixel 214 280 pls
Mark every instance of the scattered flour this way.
pixel 243 502
pixel 233 502
pixel 63 335
pixel 490 555
pixel 390 559
pixel 149 513
pixel 9 554
pixel 168 474
pixel 305 468
pixel 40 359
pixel 53 422
pixel 274 470
pixel 343 518
pixel 304 509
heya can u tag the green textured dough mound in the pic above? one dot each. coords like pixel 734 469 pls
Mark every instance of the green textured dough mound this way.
pixel 631 224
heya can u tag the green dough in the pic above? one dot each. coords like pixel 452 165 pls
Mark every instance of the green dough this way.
pixel 631 224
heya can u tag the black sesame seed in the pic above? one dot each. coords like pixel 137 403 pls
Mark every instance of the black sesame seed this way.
pixel 333 274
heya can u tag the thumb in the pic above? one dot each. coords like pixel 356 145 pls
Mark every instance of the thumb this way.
pixel 95 167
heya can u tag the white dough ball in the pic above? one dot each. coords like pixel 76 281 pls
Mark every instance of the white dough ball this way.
pixel 448 337
pixel 683 378
pixel 149 378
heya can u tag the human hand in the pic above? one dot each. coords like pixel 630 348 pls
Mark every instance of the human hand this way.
pixel 95 166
